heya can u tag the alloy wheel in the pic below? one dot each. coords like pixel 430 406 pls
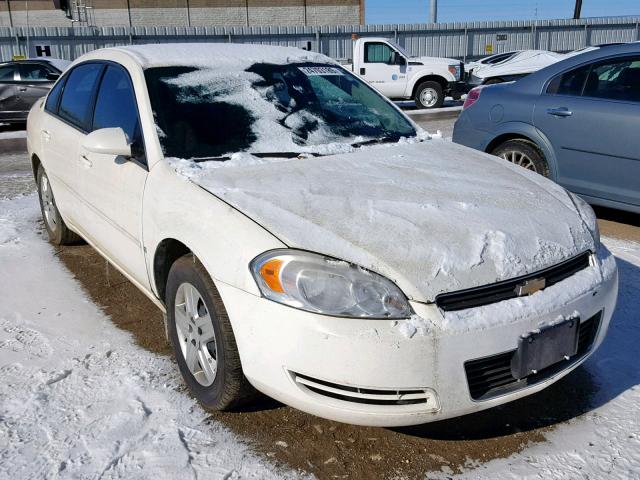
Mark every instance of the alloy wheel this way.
pixel 520 159
pixel 196 334
pixel 48 205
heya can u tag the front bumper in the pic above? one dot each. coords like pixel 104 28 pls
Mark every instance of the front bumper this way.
pixel 457 89
pixel 350 370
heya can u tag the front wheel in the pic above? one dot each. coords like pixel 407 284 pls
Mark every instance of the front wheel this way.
pixel 429 95
pixel 524 154
pixel 202 338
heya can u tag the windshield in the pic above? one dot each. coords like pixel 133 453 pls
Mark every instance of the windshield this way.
pixel 303 107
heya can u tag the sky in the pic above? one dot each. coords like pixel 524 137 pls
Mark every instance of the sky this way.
pixel 417 11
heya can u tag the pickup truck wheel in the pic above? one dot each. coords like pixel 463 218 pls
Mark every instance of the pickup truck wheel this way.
pixel 523 153
pixel 59 233
pixel 429 95
pixel 202 338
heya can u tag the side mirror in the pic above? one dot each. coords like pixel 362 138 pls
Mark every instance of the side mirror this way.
pixel 53 76
pixel 396 59
pixel 108 141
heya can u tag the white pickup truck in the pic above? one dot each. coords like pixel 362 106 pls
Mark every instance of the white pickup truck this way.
pixel 397 75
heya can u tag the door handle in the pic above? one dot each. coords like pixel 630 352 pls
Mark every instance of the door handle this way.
pixel 45 135
pixel 559 112
pixel 22 89
pixel 363 70
pixel 85 161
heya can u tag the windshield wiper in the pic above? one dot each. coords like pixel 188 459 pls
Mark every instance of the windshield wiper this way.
pixel 375 141
pixel 224 158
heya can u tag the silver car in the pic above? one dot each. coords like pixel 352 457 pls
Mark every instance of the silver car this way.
pixel 576 122
pixel 23 82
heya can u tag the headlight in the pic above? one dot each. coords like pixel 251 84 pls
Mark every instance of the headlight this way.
pixel 588 216
pixel 455 71
pixel 320 284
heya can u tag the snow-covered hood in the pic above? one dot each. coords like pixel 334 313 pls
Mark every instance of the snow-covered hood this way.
pixel 433 216
pixel 524 62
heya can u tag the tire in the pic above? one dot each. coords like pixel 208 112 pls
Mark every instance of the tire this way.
pixel 59 233
pixel 213 372
pixel 493 81
pixel 525 154
pixel 429 94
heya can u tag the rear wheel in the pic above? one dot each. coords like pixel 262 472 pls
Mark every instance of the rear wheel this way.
pixel 524 154
pixel 59 233
pixel 429 95
pixel 202 338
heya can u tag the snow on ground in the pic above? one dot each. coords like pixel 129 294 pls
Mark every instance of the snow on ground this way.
pixel 604 443
pixel 13 134
pixel 77 398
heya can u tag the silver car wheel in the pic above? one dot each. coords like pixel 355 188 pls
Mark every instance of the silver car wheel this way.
pixel 519 159
pixel 195 334
pixel 48 206
pixel 429 97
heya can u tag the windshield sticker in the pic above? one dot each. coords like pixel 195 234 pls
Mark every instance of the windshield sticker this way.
pixel 312 71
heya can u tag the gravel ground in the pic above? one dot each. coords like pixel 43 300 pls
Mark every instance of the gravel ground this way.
pixel 324 448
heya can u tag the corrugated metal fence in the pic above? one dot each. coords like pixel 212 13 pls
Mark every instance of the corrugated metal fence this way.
pixel 458 40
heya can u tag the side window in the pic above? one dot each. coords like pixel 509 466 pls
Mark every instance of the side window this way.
pixel 77 98
pixel 569 83
pixel 615 80
pixel 53 98
pixel 33 72
pixel 7 73
pixel 376 52
pixel 116 106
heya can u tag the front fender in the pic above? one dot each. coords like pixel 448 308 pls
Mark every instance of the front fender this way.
pixel 529 132
pixel 222 238
pixel 418 77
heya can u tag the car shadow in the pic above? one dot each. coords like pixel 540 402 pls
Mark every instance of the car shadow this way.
pixel 12 127
pixel 619 216
pixel 611 371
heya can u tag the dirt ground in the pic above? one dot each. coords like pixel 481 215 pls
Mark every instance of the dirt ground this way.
pixel 324 448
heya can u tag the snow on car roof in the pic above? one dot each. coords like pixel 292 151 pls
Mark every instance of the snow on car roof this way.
pixel 218 55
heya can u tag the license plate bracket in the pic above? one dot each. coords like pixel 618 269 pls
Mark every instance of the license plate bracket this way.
pixel 544 347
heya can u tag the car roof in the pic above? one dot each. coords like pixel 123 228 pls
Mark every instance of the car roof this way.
pixel 56 63
pixel 214 55
pixel 534 81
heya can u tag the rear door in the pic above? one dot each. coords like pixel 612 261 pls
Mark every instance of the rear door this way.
pixel 113 186
pixel 591 115
pixel 69 109
pixel 9 100
pixel 33 84
pixel 384 67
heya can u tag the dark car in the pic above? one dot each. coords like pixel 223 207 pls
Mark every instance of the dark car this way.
pixel 576 122
pixel 22 83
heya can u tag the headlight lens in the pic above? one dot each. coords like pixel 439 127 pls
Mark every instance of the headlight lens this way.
pixel 320 284
pixel 455 71
pixel 588 216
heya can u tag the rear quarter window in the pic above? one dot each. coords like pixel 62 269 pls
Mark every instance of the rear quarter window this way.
pixel 53 99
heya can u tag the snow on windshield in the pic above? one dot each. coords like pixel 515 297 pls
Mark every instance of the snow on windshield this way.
pixel 267 108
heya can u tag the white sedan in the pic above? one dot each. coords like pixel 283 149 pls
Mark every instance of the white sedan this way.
pixel 305 239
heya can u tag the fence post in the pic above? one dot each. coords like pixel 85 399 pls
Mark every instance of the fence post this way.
pixel 319 48
pixel 466 44
pixel 637 30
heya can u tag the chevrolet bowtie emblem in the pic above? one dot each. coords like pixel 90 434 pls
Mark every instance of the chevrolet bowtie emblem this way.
pixel 529 287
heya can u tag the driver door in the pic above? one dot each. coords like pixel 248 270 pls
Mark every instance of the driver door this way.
pixel 384 68
pixel 114 185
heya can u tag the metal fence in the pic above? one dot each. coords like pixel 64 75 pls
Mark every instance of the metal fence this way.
pixel 456 40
